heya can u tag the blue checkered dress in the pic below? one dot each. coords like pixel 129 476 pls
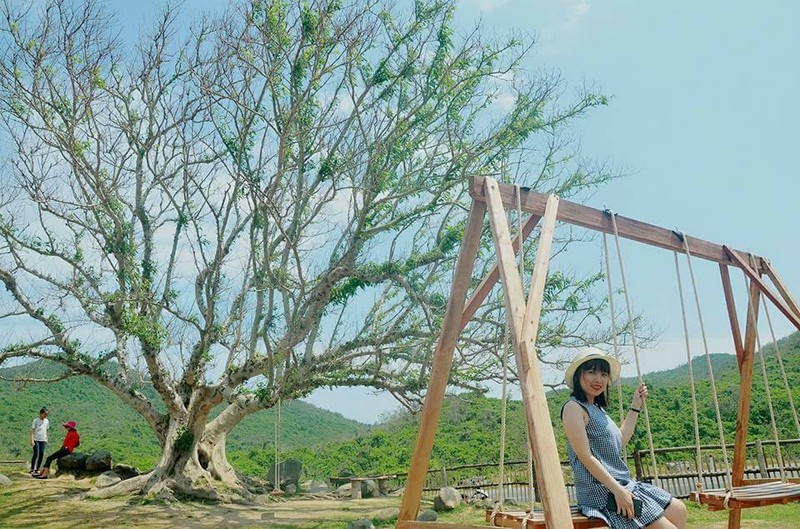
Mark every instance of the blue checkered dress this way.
pixel 605 442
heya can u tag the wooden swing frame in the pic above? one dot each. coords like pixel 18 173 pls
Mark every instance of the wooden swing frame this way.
pixel 489 196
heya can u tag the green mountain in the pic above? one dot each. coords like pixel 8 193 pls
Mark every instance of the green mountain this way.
pixel 106 423
pixel 469 431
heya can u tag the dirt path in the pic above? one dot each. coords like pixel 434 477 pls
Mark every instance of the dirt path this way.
pixel 57 503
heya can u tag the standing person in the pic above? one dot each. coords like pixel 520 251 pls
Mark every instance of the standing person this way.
pixel 71 441
pixel 603 482
pixel 39 429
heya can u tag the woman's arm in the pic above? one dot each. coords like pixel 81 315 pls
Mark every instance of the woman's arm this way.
pixel 629 424
pixel 574 420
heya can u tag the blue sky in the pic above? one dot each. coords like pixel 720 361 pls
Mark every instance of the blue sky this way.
pixel 703 114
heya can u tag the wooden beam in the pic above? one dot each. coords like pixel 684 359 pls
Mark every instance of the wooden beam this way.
pixel 599 220
pixel 442 362
pixel 549 476
pixel 730 303
pixel 509 274
pixel 745 391
pixel 776 280
pixel 794 319
pixel 493 275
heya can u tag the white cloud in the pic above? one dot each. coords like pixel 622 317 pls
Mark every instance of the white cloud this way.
pixel 486 6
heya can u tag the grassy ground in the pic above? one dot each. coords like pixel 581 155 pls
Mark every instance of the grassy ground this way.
pixel 56 503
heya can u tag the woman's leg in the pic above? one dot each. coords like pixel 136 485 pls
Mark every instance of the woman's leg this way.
pixel 662 523
pixel 61 452
pixel 676 513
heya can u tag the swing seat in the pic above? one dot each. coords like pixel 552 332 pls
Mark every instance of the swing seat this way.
pixel 744 497
pixel 535 519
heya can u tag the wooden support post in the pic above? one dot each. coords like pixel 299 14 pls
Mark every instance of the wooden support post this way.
pixel 442 362
pixel 745 390
pixel 524 320
pixel 494 274
pixel 730 303
pixel 755 276
pixel 784 292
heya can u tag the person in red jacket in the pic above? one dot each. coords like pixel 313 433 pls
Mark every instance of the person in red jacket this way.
pixel 71 441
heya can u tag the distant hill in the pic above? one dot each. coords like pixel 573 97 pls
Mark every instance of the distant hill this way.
pixel 469 431
pixel 106 423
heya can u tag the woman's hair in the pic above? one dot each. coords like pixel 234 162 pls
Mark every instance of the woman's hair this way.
pixel 598 364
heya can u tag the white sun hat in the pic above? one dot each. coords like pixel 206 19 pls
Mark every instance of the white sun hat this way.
pixel 591 353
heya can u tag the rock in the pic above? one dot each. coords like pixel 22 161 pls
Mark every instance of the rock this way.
pixel 369 489
pixel 343 491
pixel 74 461
pixel 126 471
pixel 290 471
pixel 315 486
pixel 428 515
pixel 398 492
pixel 106 479
pixel 364 523
pixel 446 499
pixel 100 460
pixel 291 488
pixel 4 481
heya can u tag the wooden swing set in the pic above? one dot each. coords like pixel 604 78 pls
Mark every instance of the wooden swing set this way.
pixel 489 196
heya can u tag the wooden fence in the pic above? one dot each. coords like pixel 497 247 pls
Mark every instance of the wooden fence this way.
pixel 677 471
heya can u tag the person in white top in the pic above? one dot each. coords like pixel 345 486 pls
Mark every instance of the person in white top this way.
pixel 39 429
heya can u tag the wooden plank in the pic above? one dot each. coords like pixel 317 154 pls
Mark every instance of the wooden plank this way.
pixel 776 280
pixel 759 481
pixel 549 476
pixel 509 274
pixel 493 275
pixel 442 362
pixel 537 521
pixel 745 391
pixel 730 303
pixel 794 319
pixel 598 220
pixel 416 524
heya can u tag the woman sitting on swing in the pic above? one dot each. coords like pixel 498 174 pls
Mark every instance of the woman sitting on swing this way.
pixel 603 482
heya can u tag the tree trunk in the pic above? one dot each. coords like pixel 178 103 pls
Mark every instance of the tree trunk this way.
pixel 191 464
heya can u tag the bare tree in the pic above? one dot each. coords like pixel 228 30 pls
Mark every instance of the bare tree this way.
pixel 267 204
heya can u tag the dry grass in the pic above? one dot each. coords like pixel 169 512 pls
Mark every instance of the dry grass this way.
pixel 57 503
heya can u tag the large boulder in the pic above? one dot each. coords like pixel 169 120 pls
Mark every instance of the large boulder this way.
pixel 290 471
pixel 369 489
pixel 75 461
pixel 126 471
pixel 106 479
pixel 446 499
pixel 315 486
pixel 99 461
pixel 4 481
pixel 342 491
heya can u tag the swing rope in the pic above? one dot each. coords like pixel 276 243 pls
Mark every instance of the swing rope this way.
pixel 613 328
pixel 720 428
pixel 698 455
pixel 633 342
pixel 783 370
pixel 768 393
